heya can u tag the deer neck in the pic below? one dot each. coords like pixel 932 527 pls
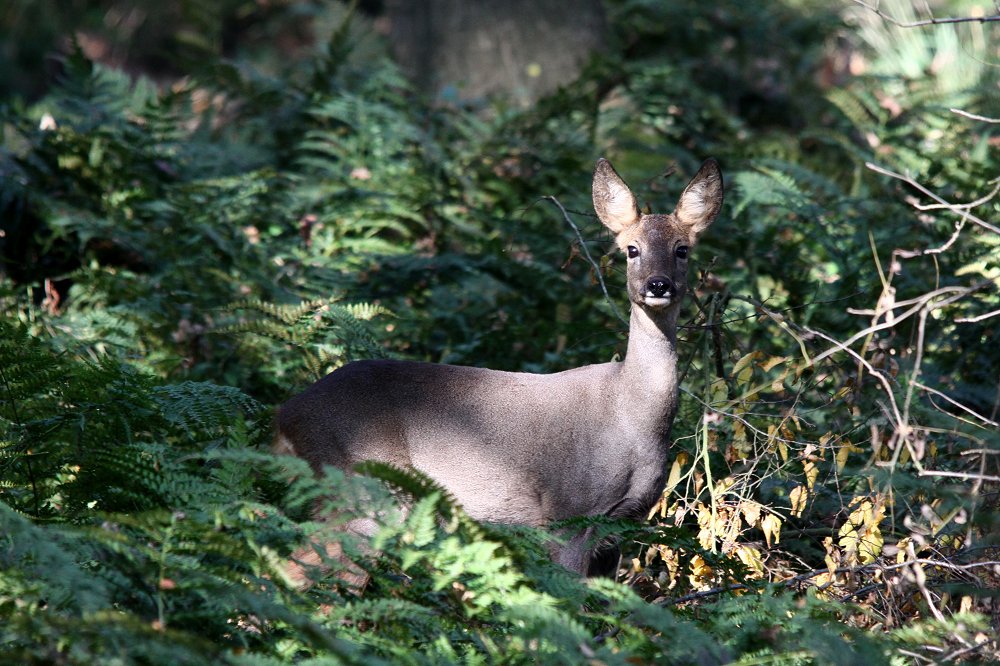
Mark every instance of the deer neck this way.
pixel 648 375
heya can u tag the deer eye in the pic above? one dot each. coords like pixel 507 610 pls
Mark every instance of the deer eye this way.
pixel 633 252
pixel 681 252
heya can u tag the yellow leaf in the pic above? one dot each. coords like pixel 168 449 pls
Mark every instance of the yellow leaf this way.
pixel 903 549
pixel 718 391
pixel 700 574
pixel 774 442
pixel 842 392
pixel 740 444
pixel 771 526
pixel 860 536
pixel 812 472
pixel 675 476
pixel 672 560
pixel 798 498
pixel 773 361
pixel 724 484
pixel 863 514
pixel 752 559
pixel 660 507
pixel 745 362
pixel 751 512
pixel 870 546
pixel 842 454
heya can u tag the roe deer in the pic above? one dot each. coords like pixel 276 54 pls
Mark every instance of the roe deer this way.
pixel 525 448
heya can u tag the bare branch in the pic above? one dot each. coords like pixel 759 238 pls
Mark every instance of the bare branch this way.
pixel 957 404
pixel 924 22
pixel 969 206
pixel 982 317
pixel 590 259
pixel 959 475
pixel 919 303
pixel 949 206
pixel 909 254
pixel 973 116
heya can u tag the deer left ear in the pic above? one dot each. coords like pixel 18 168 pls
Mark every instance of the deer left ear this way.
pixel 615 204
pixel 701 199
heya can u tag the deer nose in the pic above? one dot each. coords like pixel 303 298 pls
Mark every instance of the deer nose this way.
pixel 659 286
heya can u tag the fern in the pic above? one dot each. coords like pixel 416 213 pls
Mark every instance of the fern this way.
pixel 321 334
pixel 202 406
pixel 177 257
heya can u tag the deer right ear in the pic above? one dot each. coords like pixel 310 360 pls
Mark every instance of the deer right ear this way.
pixel 701 199
pixel 615 205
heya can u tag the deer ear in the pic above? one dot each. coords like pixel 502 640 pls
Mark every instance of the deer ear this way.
pixel 613 201
pixel 701 199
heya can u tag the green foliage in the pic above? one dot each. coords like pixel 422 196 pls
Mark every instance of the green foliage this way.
pixel 178 256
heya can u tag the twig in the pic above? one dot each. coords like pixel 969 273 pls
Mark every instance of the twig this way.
pixel 920 299
pixel 924 22
pixel 950 206
pixel 590 259
pixel 920 578
pixel 967 206
pixel 974 116
pixel 982 317
pixel 959 475
pixel 971 648
pixel 861 590
pixel 909 254
pixel 957 404
pixel 920 302
pixel 781 322
pixel 917 367
pixel 917 656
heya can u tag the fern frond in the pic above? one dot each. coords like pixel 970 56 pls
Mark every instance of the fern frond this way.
pixel 203 406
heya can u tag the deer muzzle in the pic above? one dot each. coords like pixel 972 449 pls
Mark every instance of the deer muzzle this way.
pixel 660 291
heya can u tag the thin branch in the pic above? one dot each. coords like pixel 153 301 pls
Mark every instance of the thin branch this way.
pixel 959 475
pixel 918 359
pixel 919 303
pixel 974 116
pixel 925 22
pixel 957 404
pixel 590 259
pixel 965 650
pixel 971 320
pixel 948 205
pixel 919 299
pixel 909 254
pixel 967 206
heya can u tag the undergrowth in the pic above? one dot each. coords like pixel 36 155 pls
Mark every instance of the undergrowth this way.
pixel 179 258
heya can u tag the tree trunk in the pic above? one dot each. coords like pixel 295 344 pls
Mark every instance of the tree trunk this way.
pixel 472 49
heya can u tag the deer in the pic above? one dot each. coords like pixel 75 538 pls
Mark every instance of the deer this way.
pixel 524 448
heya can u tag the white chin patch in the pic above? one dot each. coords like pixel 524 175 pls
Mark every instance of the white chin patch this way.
pixel 655 302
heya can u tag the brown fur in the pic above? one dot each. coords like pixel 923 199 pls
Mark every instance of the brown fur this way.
pixel 525 448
